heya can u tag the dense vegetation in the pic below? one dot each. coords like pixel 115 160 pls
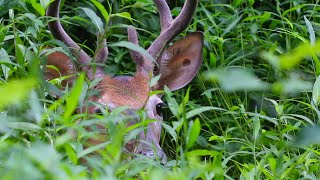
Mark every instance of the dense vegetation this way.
pixel 251 112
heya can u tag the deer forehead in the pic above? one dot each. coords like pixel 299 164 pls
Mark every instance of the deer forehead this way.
pixel 124 91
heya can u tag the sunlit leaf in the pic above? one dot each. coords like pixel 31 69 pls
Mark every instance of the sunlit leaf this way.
pixel 102 10
pixel 236 80
pixel 193 133
pixel 309 135
pixel 73 99
pixel 94 19
pixel 15 91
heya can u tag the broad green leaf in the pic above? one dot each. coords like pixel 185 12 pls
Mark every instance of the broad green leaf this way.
pixel 71 153
pixel 308 135
pixel 154 80
pixel 15 91
pixel 263 18
pixel 292 85
pixel 256 127
pixel 133 47
pixel 18 53
pixel 36 108
pixel 312 35
pixel 102 10
pixel 294 57
pixel 21 125
pixel 3 32
pixel 316 91
pixel 197 111
pixel 73 98
pixel 94 19
pixel 125 15
pixel 202 152
pixel 237 79
pixel 232 25
pixel 4 58
pixel 172 103
pixel 92 149
pixel 170 130
pixel 38 7
pixel 193 133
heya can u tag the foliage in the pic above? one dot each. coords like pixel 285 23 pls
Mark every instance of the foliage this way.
pixel 251 113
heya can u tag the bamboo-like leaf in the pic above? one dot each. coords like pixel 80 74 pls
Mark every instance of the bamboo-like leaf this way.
pixel 94 19
pixel 193 132
pixel 15 91
pixel 73 98
pixel 102 10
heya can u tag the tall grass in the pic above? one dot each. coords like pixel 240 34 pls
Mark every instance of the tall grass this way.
pixel 251 113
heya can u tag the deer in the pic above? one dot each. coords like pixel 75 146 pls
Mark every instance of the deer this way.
pixel 177 65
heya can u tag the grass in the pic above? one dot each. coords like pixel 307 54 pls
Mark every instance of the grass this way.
pixel 251 113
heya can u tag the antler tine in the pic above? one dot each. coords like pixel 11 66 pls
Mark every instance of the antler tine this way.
pixel 136 56
pixel 171 28
pixel 100 57
pixel 59 33
pixel 102 53
pixel 164 12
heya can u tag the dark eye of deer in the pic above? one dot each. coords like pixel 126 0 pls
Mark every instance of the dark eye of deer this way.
pixel 159 107
pixel 98 111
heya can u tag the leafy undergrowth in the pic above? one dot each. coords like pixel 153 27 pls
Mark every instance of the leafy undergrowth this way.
pixel 251 113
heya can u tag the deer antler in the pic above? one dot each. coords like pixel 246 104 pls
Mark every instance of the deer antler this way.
pixel 171 27
pixel 59 33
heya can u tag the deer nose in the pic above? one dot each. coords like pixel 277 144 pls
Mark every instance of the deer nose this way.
pixel 155 155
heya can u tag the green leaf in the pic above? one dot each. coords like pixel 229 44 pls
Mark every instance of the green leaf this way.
pixel 312 35
pixel 38 7
pixel 202 152
pixel 256 127
pixel 71 153
pixel 18 53
pixel 294 57
pixel 4 58
pixel 73 98
pixel 237 79
pixel 102 10
pixel 154 80
pixel 15 91
pixel 21 125
pixel 200 110
pixel 133 47
pixel 193 133
pixel 232 25
pixel 92 149
pixel 125 15
pixel 307 136
pixel 172 103
pixel 171 131
pixel 316 91
pixel 292 85
pixel 94 19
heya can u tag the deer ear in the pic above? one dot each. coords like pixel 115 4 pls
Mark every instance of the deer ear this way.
pixel 180 62
pixel 59 64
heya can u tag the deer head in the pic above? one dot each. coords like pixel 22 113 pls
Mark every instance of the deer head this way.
pixel 177 66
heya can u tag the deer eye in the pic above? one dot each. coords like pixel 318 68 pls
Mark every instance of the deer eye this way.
pixel 159 107
pixel 98 111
